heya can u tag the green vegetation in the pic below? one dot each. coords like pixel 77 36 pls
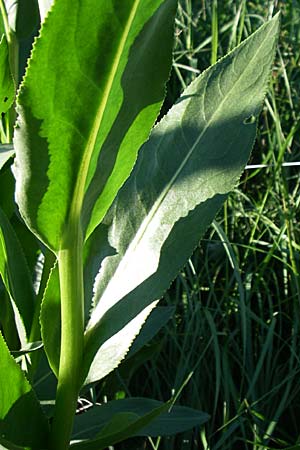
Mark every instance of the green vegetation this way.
pixel 236 326
pixel 76 289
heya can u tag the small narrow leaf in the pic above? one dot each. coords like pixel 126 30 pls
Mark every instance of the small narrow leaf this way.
pixel 15 273
pixel 116 57
pixel 51 329
pixel 22 422
pixel 29 348
pixel 7 188
pixel 7 86
pixel 192 160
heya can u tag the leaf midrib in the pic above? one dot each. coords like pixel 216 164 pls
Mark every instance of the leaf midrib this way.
pixel 170 184
pixel 143 228
pixel 79 191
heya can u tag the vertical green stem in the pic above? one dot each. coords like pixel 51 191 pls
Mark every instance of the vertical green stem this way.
pixel 72 328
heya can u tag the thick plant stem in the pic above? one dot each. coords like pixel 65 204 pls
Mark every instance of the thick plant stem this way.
pixel 71 288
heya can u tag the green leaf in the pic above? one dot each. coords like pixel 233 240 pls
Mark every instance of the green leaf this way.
pixel 23 16
pixel 157 320
pixel 7 86
pixel 8 320
pixel 192 160
pixel 7 190
pixel 22 422
pixel 2 27
pixel 51 302
pixel 116 57
pixel 122 425
pixel 112 343
pixel 6 152
pixel 177 420
pixel 15 274
pixel 51 329
pixel 45 385
pixel 28 348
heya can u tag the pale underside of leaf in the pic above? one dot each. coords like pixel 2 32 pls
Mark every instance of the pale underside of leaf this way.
pixel 114 349
pixel 6 153
pixel 197 151
pixel 192 160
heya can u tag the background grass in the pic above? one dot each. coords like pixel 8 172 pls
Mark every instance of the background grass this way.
pixel 235 331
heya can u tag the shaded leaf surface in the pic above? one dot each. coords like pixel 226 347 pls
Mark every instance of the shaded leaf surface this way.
pixel 177 420
pixel 192 160
pixel 123 425
pixel 15 273
pixel 22 422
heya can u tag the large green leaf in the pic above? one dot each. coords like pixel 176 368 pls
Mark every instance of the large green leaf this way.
pixel 7 86
pixel 192 160
pixel 86 107
pixel 22 423
pixel 15 274
pixel 177 420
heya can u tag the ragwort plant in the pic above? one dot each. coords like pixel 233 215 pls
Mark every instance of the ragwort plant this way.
pixel 114 206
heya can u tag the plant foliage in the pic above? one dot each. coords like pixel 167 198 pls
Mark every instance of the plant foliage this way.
pixel 117 205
